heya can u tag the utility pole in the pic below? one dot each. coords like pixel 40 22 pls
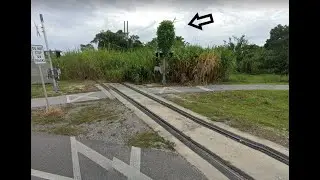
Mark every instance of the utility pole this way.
pixel 55 87
pixel 127 34
pixel 124 27
pixel 127 30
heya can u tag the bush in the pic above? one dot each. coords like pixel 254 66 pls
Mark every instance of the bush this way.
pixel 198 65
pixel 188 64
pixel 227 60
pixel 112 65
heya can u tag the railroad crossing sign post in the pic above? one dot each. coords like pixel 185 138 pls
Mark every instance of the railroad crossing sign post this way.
pixel 38 57
pixel 55 86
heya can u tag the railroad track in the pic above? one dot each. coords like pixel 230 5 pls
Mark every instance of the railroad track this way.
pixel 223 166
pixel 257 146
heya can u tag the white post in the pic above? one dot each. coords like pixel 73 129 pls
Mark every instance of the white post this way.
pixel 44 88
pixel 55 87
pixel 164 71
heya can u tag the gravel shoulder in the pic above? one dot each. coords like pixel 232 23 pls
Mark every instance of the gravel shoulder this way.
pixel 106 120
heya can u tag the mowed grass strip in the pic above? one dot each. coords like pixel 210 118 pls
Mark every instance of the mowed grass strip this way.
pixel 264 113
pixel 65 87
pixel 238 78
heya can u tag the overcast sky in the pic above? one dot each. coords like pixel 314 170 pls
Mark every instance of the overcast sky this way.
pixel 70 23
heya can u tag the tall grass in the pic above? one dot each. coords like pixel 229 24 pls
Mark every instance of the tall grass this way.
pixel 189 64
pixel 115 66
pixel 201 65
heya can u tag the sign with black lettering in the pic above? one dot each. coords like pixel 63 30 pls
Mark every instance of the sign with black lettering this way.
pixel 38 54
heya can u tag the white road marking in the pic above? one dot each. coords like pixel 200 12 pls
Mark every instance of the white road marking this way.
pixel 129 171
pixel 75 159
pixel 167 88
pixel 135 157
pixel 179 97
pixel 205 89
pixel 174 89
pixel 49 176
pixel 86 95
pixel 94 156
pixel 162 90
pixel 68 98
pixel 105 91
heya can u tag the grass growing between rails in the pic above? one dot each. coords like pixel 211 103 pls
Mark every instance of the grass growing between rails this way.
pixel 264 113
pixel 65 87
pixel 257 79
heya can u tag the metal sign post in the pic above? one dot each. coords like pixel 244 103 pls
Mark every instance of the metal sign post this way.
pixel 55 87
pixel 39 58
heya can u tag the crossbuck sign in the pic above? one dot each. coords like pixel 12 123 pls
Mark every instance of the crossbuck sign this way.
pixel 38 54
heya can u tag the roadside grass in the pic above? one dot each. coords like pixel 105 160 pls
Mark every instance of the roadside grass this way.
pixel 150 140
pixel 54 115
pixel 236 78
pixel 264 113
pixel 94 113
pixel 66 130
pixel 66 120
pixel 65 87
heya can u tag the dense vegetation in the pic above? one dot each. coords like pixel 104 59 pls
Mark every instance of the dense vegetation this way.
pixel 121 57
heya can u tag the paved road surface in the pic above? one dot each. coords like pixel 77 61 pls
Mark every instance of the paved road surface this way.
pixel 73 98
pixel 63 157
pixel 211 88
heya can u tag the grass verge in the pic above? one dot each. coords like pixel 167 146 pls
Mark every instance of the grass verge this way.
pixel 237 79
pixel 150 140
pixel 66 120
pixel 67 130
pixel 257 79
pixel 264 113
pixel 65 87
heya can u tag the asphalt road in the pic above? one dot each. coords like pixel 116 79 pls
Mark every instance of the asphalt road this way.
pixel 71 98
pixel 212 88
pixel 63 157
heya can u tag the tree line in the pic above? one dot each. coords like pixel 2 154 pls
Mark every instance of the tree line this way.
pixel 272 57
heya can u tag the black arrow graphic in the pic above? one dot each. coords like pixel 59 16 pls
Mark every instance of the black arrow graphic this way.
pixel 197 17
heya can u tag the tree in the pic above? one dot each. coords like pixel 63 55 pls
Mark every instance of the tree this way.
pixel 253 59
pixel 153 43
pixel 117 40
pixel 134 41
pixel 84 47
pixel 277 46
pixel 165 38
pixel 178 42
pixel 237 45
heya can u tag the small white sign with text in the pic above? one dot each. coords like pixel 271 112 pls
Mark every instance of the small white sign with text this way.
pixel 38 54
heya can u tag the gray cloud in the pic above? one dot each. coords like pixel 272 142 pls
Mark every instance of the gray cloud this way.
pixel 73 22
